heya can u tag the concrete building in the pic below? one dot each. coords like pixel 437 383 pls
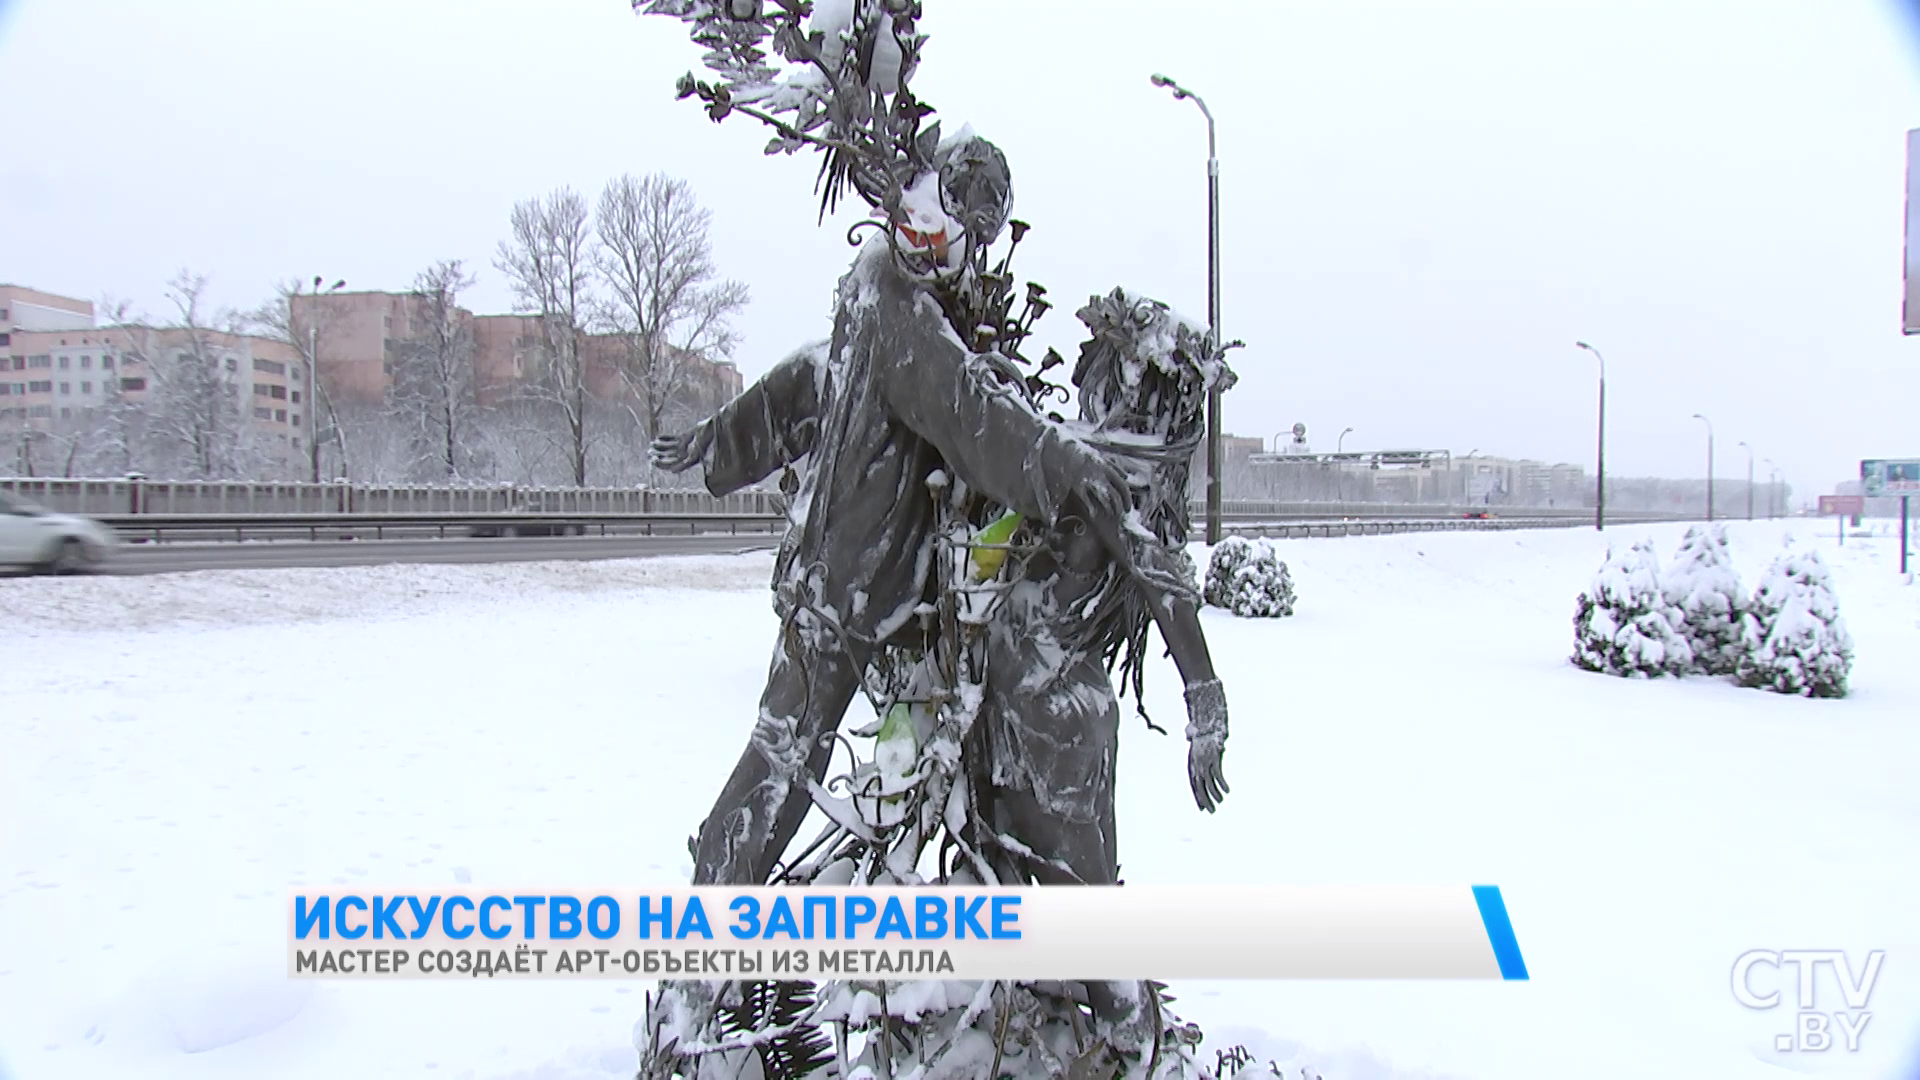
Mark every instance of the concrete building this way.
pixel 22 308
pixel 355 335
pixel 56 365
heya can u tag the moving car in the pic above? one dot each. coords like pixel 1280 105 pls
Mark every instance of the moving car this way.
pixel 40 539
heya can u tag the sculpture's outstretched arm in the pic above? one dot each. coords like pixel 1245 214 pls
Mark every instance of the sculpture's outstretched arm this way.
pixel 1178 617
pixel 987 432
pixel 772 423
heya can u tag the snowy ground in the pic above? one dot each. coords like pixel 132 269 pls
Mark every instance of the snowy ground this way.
pixel 176 751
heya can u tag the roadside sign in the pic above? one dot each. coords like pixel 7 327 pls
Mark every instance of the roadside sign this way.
pixel 1890 476
pixel 1843 505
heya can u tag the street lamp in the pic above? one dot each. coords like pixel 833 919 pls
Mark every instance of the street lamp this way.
pixel 1214 464
pixel 1600 458
pixel 1749 450
pixel 313 371
pixel 1709 424
pixel 1773 486
pixel 1340 443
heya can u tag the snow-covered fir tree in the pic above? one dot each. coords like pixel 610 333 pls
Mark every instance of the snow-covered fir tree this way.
pixel 1622 624
pixel 1795 641
pixel 1704 592
pixel 1248 578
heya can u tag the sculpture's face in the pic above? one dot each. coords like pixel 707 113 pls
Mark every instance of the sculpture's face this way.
pixel 955 211
pixel 976 189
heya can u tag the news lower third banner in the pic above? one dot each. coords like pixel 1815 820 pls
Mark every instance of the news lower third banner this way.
pixel 1134 932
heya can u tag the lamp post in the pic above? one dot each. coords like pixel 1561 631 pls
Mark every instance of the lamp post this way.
pixel 1773 484
pixel 1749 450
pixel 1709 424
pixel 1600 457
pixel 1214 464
pixel 1339 444
pixel 313 370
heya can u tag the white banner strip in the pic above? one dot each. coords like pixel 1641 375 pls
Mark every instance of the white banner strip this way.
pixel 1023 934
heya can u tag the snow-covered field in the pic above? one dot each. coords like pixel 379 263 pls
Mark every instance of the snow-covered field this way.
pixel 176 751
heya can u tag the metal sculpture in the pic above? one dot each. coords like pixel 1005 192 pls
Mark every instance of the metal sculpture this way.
pixel 942 524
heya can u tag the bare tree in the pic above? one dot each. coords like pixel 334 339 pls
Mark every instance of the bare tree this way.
pixel 119 435
pixel 101 439
pixel 302 329
pixel 548 262
pixel 664 302
pixel 194 411
pixel 433 394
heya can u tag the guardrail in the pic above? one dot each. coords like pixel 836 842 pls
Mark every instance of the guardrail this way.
pixel 141 497
pixel 134 496
pixel 234 528
pixel 1286 530
pixel 161 528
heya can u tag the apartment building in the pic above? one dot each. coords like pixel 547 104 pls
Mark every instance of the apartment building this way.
pixel 55 365
pixel 356 336
pixel 22 308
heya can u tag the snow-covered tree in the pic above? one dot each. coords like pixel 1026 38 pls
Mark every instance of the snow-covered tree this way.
pixel 1795 639
pixel 1622 624
pixel 1704 591
pixel 433 392
pixel 295 318
pixel 666 303
pixel 549 264
pixel 1248 578
pixel 195 420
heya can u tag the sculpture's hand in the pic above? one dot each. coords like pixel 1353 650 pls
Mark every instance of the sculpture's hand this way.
pixel 678 453
pixel 1207 743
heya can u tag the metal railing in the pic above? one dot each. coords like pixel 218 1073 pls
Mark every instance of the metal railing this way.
pixel 1305 530
pixel 233 528
pixel 134 496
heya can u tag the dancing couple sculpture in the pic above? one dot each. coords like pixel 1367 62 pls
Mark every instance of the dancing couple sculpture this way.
pixel 980 568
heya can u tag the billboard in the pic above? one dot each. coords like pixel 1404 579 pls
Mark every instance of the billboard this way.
pixel 1910 305
pixel 1890 476
pixel 1842 505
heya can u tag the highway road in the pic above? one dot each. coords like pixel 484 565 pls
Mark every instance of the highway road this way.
pixel 174 558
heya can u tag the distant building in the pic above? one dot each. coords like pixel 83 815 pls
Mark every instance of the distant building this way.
pixel 22 308
pixel 357 333
pixel 55 365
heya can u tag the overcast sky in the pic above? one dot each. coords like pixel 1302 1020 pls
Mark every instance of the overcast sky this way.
pixel 1425 203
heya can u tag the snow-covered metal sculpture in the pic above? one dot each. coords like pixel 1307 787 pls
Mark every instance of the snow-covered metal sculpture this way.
pixel 940 517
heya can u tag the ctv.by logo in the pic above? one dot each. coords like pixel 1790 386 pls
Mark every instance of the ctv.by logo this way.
pixel 1813 1029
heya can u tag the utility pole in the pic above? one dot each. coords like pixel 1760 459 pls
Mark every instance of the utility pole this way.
pixel 1215 464
pixel 313 372
pixel 1709 424
pixel 1749 450
pixel 1600 462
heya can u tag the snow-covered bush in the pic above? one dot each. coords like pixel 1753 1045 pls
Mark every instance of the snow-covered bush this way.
pixel 1795 641
pixel 1248 578
pixel 1704 593
pixel 1622 624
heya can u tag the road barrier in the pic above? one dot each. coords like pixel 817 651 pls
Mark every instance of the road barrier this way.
pixel 159 528
pixel 1298 530
pixel 131 497
pixel 135 496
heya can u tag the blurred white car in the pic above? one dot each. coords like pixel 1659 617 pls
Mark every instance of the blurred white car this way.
pixel 42 540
